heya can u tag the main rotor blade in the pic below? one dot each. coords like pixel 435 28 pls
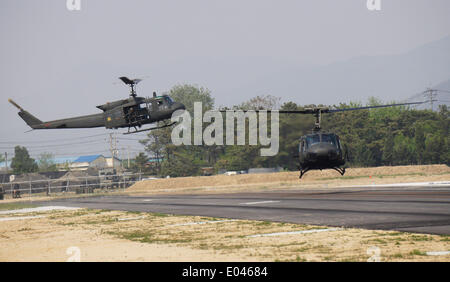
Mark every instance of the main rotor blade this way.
pixel 126 80
pixel 372 107
pixel 308 111
pixel 326 109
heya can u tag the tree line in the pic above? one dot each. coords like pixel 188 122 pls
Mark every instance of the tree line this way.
pixel 375 137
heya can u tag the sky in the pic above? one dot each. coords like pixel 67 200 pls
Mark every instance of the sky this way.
pixel 58 63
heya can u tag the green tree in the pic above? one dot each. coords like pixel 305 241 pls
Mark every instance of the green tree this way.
pixel 188 94
pixel 243 157
pixel 46 162
pixel 419 141
pixel 385 136
pixel 388 150
pixel 139 162
pixel 403 150
pixel 22 162
pixel 183 163
pixel 172 159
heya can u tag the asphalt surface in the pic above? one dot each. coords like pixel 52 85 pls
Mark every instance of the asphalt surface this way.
pixel 411 209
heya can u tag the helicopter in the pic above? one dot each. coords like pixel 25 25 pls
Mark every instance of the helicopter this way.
pixel 133 112
pixel 323 150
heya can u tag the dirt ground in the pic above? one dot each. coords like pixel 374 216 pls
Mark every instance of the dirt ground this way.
pixel 285 180
pixel 106 236
pixel 101 235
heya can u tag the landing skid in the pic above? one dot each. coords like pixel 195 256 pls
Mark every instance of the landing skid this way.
pixel 338 169
pixel 148 129
pixel 303 171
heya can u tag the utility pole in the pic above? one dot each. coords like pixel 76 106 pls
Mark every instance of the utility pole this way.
pixel 113 144
pixel 430 94
pixel 6 162
pixel 113 147
pixel 128 155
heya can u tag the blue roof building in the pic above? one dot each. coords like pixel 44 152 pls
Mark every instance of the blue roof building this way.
pixel 88 159
pixel 85 162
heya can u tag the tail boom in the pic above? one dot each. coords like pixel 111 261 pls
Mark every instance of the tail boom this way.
pixel 31 120
pixel 88 121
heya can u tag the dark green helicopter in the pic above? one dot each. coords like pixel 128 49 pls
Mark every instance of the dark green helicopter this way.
pixel 127 113
pixel 323 150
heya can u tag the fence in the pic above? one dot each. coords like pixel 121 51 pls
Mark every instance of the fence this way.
pixel 74 185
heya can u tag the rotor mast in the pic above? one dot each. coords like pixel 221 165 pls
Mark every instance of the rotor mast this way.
pixel 132 83
pixel 318 115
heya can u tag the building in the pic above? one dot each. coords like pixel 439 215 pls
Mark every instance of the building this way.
pixel 4 167
pixel 85 162
pixel 80 163
pixel 63 163
pixel 113 162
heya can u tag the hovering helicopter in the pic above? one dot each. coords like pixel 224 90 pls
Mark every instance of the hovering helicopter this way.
pixel 323 150
pixel 127 113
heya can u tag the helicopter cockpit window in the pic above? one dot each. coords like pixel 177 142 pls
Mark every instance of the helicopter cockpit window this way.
pixel 329 138
pixel 312 139
pixel 303 146
pixel 338 142
pixel 168 100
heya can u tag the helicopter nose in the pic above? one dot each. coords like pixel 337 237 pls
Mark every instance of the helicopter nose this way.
pixel 179 106
pixel 325 151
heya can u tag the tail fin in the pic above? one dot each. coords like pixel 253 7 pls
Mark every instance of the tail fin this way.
pixel 31 120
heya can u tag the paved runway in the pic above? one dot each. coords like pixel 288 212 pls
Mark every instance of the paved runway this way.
pixel 413 209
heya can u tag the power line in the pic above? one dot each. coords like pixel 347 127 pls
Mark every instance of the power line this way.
pixel 53 140
pixel 56 145
pixel 77 154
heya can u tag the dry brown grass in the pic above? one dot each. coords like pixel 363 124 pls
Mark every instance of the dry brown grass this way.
pixel 325 178
pixel 157 237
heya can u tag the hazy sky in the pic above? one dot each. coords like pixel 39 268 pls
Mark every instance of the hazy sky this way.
pixel 58 63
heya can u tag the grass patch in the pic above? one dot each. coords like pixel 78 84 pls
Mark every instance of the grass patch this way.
pixel 66 223
pixel 264 223
pixel 160 214
pixel 81 213
pixel 16 206
pixel 106 221
pixel 134 212
pixel 301 250
pixel 417 253
pixel 420 238
pixel 344 177
pixel 228 247
pixel 377 240
pixel 347 177
pixel 147 237
pixel 397 256
pixel 300 259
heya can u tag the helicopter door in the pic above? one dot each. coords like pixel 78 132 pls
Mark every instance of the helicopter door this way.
pixel 162 105
pixel 114 118
pixel 338 142
pixel 302 146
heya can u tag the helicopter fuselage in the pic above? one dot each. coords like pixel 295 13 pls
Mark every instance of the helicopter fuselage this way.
pixel 126 113
pixel 320 151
